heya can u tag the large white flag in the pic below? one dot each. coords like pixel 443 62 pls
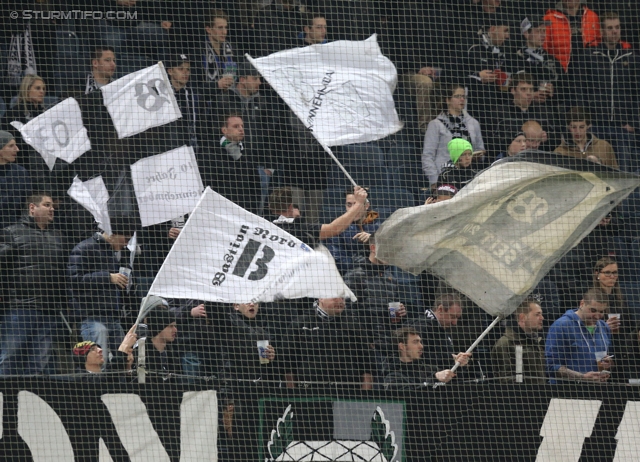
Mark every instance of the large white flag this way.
pixel 226 254
pixel 141 100
pixel 57 133
pixel 166 185
pixel 93 196
pixel 342 90
pixel 506 229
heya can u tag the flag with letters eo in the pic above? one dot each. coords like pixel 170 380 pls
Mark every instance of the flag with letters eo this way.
pixel 57 133
pixel 226 254
pixel 342 91
pixel 506 229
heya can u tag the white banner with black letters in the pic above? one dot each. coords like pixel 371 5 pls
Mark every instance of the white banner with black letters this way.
pixel 141 100
pixel 226 254
pixel 57 133
pixel 167 185
pixel 342 91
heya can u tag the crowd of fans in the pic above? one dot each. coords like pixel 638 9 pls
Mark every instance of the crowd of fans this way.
pixel 490 81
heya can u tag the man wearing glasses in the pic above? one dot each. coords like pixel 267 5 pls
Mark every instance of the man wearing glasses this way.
pixel 578 343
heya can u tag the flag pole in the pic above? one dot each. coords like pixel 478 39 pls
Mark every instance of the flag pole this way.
pixel 479 339
pixel 325 147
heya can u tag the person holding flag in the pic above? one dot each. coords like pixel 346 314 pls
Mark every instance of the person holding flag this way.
pixel 281 204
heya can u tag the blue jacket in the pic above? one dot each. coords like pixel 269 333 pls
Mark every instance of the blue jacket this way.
pixel 347 251
pixel 570 344
pixel 90 265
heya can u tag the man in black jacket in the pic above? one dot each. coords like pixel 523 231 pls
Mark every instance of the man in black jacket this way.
pixel 189 128
pixel 408 369
pixel 32 262
pixel 251 371
pixel 434 327
pixel 263 117
pixel 231 170
pixel 97 286
pixel 328 345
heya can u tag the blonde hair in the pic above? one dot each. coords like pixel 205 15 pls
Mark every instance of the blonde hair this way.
pixel 25 86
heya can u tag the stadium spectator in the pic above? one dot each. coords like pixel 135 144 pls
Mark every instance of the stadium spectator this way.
pixel 262 116
pixel 98 287
pixel 161 360
pixel 533 59
pixel 350 247
pixel 508 118
pixel 88 357
pixel 30 102
pixel 459 171
pixel 197 344
pixel 486 66
pixel 408 369
pixel 231 169
pixel 517 145
pixel 578 343
pixel 325 346
pixel 581 143
pixel 281 204
pixel 376 292
pixel 452 122
pixel 434 328
pixel 315 29
pixel 444 192
pixel 535 135
pixel 251 372
pixel 33 265
pixel 191 124
pixel 103 68
pixel 218 69
pixel 523 329
pixel 15 182
pixel 607 76
pixel 573 26
pixel 605 278
pixel 277 26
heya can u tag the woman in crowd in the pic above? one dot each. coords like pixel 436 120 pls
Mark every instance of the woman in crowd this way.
pixel 453 122
pixel 605 278
pixel 30 102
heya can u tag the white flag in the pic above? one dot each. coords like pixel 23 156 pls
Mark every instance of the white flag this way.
pixel 57 133
pixel 141 100
pixel 226 254
pixel 166 185
pixel 342 91
pixel 93 196
pixel 506 229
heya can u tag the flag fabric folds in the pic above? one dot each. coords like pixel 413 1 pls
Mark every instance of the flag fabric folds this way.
pixel 93 196
pixel 167 185
pixel 226 254
pixel 141 100
pixel 342 91
pixel 57 133
pixel 504 231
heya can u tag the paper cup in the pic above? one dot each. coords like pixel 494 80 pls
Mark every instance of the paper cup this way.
pixel 262 351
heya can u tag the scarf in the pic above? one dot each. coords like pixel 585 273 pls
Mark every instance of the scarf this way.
pixel 216 64
pixel 455 125
pixel 21 47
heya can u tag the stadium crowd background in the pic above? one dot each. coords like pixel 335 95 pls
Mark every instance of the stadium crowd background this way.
pixel 506 76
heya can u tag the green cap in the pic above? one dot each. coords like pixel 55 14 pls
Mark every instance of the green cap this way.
pixel 456 147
